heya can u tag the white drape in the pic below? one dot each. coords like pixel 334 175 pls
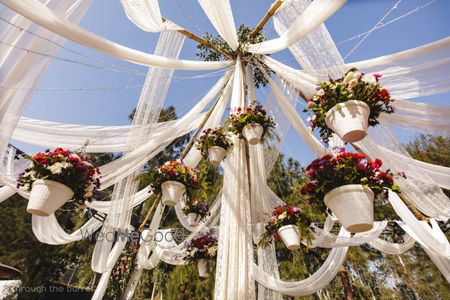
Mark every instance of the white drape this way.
pixel 220 14
pixel 145 14
pixel 313 16
pixel 48 19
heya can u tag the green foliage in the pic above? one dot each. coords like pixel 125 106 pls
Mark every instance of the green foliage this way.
pixel 209 54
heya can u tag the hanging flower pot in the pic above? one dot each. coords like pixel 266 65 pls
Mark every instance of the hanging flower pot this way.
pixel 202 266
pixel 253 123
pixel 352 204
pixel 173 179
pixel 172 191
pixel 193 219
pixel 347 184
pixel 47 196
pixel 290 236
pixel 213 143
pixel 348 105
pixel 289 223
pixel 349 120
pixel 216 155
pixel 195 210
pixel 253 133
pixel 56 177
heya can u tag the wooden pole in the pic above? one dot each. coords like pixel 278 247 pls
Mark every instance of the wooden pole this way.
pixel 202 41
pixel 267 16
pixel 149 213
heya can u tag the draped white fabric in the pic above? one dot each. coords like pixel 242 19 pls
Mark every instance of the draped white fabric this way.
pixel 313 16
pixel 21 69
pixel 220 14
pixel 145 14
pixel 48 19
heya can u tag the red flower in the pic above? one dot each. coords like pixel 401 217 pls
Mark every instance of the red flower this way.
pixel 383 94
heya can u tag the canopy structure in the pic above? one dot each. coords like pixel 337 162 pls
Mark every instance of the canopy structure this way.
pixel 245 200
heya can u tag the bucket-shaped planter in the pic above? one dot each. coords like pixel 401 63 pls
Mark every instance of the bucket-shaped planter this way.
pixel 47 196
pixel 290 236
pixel 193 219
pixel 172 191
pixel 352 204
pixel 253 133
pixel 216 155
pixel 349 120
pixel 202 266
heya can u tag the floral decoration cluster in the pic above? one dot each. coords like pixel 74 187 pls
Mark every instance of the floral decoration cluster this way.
pixel 71 169
pixel 213 137
pixel 286 215
pixel 353 86
pixel 203 246
pixel 329 172
pixel 196 207
pixel 254 114
pixel 176 170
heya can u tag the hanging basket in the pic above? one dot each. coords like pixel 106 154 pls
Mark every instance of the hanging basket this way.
pixel 253 133
pixel 202 266
pixel 47 196
pixel 352 204
pixel 290 236
pixel 193 219
pixel 172 191
pixel 216 155
pixel 349 120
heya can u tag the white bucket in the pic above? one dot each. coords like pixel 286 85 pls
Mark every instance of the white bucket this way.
pixel 172 191
pixel 193 219
pixel 202 266
pixel 252 133
pixel 349 120
pixel 352 204
pixel 47 196
pixel 216 155
pixel 290 236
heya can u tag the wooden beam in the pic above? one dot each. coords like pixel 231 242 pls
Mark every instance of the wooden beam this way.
pixel 268 15
pixel 202 41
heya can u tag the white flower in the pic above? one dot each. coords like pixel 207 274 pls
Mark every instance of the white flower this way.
pixel 369 78
pixel 282 216
pixel 56 168
pixel 351 76
pixel 352 83
pixel 320 92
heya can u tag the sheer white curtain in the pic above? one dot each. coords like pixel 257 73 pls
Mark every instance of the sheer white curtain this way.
pixel 313 16
pixel 145 14
pixel 221 16
pixel 47 18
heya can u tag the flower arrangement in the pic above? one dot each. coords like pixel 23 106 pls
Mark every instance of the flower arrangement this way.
pixel 176 170
pixel 254 114
pixel 71 169
pixel 353 86
pixel 196 207
pixel 203 246
pixel 284 215
pixel 123 269
pixel 329 172
pixel 213 137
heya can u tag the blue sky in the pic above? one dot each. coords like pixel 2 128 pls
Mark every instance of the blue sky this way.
pixel 111 107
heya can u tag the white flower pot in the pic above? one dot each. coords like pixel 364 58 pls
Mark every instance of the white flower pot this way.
pixel 290 236
pixel 202 266
pixel 349 120
pixel 47 196
pixel 352 204
pixel 216 155
pixel 253 133
pixel 172 191
pixel 193 219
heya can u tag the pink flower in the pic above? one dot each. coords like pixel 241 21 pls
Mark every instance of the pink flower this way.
pixel 377 76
